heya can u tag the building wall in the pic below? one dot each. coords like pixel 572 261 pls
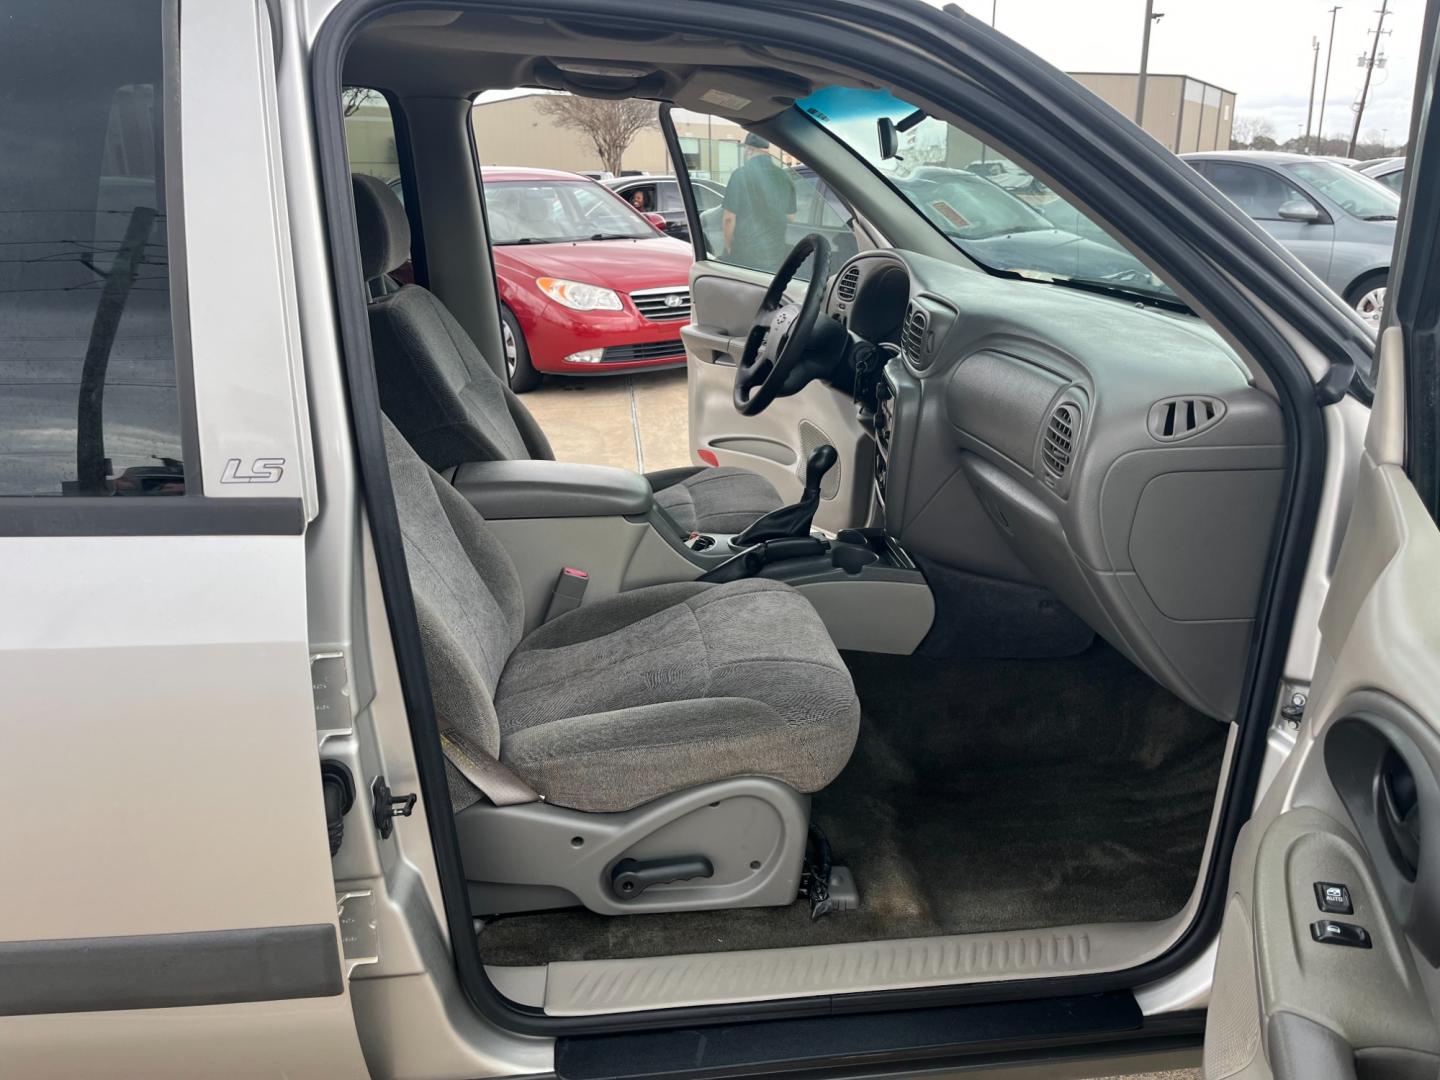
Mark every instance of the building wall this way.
pixel 1181 113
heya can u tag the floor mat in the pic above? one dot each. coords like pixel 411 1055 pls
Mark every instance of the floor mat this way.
pixel 983 795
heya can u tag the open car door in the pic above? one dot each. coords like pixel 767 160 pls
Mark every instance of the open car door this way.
pixel 1328 963
pixel 727 283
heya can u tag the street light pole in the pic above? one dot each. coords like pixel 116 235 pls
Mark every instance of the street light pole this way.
pixel 1325 87
pixel 1150 17
pixel 1314 71
pixel 1369 71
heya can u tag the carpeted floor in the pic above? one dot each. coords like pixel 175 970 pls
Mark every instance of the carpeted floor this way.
pixel 983 795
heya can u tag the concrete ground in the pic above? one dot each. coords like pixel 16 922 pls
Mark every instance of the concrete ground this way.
pixel 641 422
pixel 638 422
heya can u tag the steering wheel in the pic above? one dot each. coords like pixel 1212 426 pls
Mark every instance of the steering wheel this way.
pixel 781 333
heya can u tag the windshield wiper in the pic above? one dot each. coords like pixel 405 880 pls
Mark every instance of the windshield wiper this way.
pixel 1125 292
pixel 611 236
pixel 1381 217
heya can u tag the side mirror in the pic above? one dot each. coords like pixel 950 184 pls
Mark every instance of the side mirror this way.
pixel 889 137
pixel 1301 210
pixel 658 220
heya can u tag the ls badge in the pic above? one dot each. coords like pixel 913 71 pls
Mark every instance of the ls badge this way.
pixel 264 470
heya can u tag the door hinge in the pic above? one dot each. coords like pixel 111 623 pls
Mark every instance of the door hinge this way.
pixel 387 806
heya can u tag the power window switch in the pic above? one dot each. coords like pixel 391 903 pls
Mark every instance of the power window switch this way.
pixel 1333 898
pixel 1329 932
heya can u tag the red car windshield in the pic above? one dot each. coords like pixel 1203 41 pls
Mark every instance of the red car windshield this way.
pixel 559 211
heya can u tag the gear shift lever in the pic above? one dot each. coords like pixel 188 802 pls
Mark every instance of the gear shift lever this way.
pixel 793 520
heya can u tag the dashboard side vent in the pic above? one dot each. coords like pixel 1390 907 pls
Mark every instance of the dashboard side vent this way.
pixel 912 335
pixel 848 284
pixel 1057 445
pixel 1181 417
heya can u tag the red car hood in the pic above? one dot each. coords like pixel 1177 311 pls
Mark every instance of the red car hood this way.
pixel 622 265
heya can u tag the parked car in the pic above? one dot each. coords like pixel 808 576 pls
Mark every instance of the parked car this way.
pixel 589 284
pixel 661 195
pixel 1388 171
pixel 1337 222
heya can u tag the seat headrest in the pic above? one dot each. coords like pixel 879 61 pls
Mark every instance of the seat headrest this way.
pixel 384 228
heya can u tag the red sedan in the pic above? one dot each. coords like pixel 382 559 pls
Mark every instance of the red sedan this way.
pixel 589 284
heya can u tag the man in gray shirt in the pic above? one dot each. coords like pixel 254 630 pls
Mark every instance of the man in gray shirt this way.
pixel 759 202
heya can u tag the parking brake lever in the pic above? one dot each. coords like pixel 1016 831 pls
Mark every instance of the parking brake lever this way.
pixel 793 520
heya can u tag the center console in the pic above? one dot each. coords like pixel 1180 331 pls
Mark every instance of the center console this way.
pixel 551 515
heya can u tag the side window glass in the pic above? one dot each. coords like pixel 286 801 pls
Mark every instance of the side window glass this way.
pixel 88 398
pixel 1259 192
pixel 669 198
pixel 370 134
pixel 372 148
pixel 642 197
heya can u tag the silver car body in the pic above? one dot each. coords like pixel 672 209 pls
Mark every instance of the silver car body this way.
pixel 1342 250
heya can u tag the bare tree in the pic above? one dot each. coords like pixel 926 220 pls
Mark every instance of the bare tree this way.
pixel 1247 129
pixel 352 98
pixel 610 125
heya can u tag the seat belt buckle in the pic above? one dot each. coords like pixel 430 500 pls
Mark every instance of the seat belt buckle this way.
pixel 569 591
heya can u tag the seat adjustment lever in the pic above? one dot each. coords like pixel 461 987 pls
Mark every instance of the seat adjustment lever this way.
pixel 631 877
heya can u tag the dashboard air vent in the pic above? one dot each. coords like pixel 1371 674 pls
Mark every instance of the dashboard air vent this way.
pixel 848 284
pixel 1180 417
pixel 1057 446
pixel 912 335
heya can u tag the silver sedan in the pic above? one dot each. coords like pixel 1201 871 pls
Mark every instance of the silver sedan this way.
pixel 1338 222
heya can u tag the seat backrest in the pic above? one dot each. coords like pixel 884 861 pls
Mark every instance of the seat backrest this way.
pixel 468 599
pixel 436 387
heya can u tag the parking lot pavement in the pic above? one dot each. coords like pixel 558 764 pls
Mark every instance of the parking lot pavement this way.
pixel 638 422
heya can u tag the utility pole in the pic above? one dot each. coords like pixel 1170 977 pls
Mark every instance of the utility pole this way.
pixel 1150 17
pixel 1314 71
pixel 1369 71
pixel 1325 88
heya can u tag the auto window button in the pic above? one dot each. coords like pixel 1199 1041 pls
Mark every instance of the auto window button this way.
pixel 1330 932
pixel 1333 898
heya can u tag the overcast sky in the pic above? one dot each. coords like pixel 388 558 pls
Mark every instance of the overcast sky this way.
pixel 1258 48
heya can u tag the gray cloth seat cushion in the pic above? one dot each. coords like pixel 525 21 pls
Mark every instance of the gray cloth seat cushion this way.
pixel 719 499
pixel 452 406
pixel 667 687
pixel 622 700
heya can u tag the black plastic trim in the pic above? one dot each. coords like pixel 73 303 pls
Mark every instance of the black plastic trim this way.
pixel 682 177
pixel 166 971
pixel 829 1044
pixel 155 515
pixel 179 281
pixel 1414 297
pixel 1009 91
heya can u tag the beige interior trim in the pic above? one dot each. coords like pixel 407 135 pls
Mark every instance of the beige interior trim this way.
pixel 1385 437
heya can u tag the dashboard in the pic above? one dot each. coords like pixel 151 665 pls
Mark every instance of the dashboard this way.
pixel 1119 455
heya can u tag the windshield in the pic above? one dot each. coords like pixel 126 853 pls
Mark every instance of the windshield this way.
pixel 969 207
pixel 556 211
pixel 988 206
pixel 1356 194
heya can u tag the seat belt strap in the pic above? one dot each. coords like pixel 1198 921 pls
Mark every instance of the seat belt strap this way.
pixel 569 591
pixel 497 783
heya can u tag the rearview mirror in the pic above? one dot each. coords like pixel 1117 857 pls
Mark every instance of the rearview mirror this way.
pixel 1302 210
pixel 889 137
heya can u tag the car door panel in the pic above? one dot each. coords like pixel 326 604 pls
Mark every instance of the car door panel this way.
pixel 775 443
pixel 1357 801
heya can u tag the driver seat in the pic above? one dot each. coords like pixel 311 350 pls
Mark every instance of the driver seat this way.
pixel 453 407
